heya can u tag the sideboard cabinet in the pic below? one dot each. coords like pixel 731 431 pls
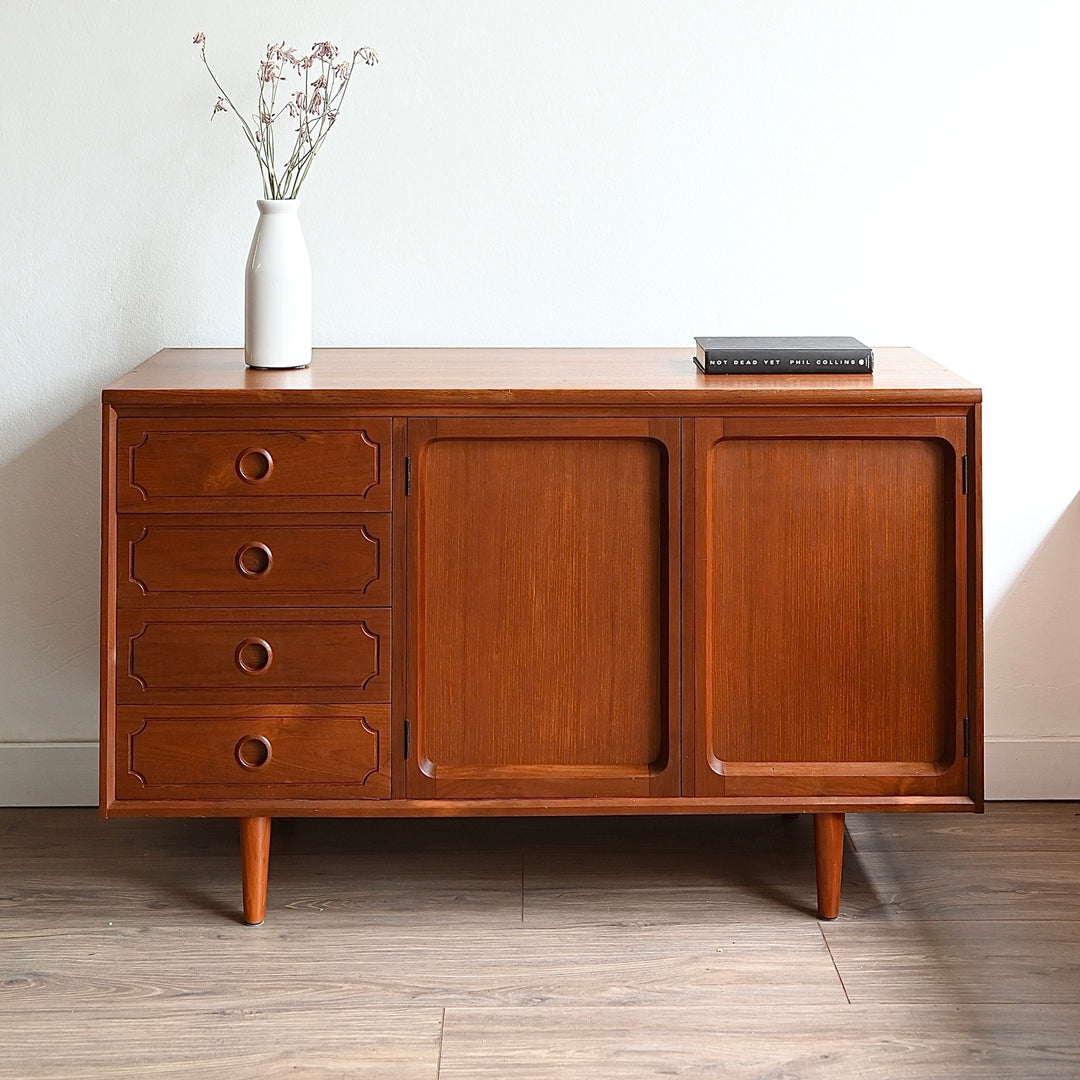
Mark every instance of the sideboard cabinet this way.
pixel 572 581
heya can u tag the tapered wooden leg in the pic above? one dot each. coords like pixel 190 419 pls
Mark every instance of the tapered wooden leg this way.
pixel 254 866
pixel 829 859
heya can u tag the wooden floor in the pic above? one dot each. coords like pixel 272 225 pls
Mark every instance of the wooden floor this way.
pixel 537 949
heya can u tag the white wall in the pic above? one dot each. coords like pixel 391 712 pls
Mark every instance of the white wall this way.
pixel 550 172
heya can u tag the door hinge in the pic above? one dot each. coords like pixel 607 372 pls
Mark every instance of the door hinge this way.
pixel 406 739
pixel 964 474
pixel 408 474
pixel 967 737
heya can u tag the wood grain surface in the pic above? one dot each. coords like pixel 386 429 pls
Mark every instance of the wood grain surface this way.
pixel 541 643
pixel 189 656
pixel 492 949
pixel 502 377
pixel 1056 826
pixel 222 561
pixel 310 751
pixel 545 583
pixel 1033 960
pixel 227 1041
pixel 742 1043
pixel 830 567
pixel 251 464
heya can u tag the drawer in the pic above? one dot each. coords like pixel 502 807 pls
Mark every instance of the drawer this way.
pixel 333 751
pixel 187 559
pixel 238 465
pixel 175 655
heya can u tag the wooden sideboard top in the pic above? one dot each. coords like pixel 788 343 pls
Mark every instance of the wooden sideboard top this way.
pixel 519 376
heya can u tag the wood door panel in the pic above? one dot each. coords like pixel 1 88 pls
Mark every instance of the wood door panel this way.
pixel 326 654
pixel 829 601
pixel 234 465
pixel 188 559
pixel 543 629
pixel 218 753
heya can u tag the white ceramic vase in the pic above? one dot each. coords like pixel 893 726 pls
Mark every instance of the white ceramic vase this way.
pixel 277 290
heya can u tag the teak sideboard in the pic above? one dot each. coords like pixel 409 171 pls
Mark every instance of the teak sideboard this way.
pixel 538 581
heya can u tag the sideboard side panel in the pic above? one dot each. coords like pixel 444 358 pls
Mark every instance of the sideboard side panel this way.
pixel 107 644
pixel 975 607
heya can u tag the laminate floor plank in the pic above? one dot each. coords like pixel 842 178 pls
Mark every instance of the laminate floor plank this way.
pixel 919 961
pixel 614 948
pixel 379 964
pixel 467 886
pixel 582 888
pixel 1004 827
pixel 975 885
pixel 245 1042
pixel 807 1042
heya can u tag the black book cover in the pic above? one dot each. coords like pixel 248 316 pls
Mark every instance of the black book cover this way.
pixel 783 356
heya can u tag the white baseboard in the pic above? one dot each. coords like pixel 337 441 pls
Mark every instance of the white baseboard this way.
pixel 66 773
pixel 49 774
pixel 1029 767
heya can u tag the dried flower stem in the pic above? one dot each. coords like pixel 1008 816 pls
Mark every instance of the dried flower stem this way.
pixel 315 108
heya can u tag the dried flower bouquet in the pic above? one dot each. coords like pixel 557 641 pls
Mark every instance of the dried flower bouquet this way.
pixel 315 108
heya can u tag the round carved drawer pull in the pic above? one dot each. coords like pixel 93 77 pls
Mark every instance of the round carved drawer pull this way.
pixel 253 751
pixel 254 656
pixel 254 560
pixel 254 465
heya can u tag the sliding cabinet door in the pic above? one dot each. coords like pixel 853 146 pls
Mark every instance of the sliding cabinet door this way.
pixel 543 607
pixel 830 606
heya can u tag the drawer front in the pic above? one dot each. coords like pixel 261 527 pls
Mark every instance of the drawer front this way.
pixel 186 559
pixel 215 753
pixel 317 655
pixel 238 465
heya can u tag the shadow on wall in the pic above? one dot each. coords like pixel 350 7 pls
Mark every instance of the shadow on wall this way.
pixel 1033 674
pixel 49 582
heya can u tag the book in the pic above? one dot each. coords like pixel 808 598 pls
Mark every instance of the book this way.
pixel 783 356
